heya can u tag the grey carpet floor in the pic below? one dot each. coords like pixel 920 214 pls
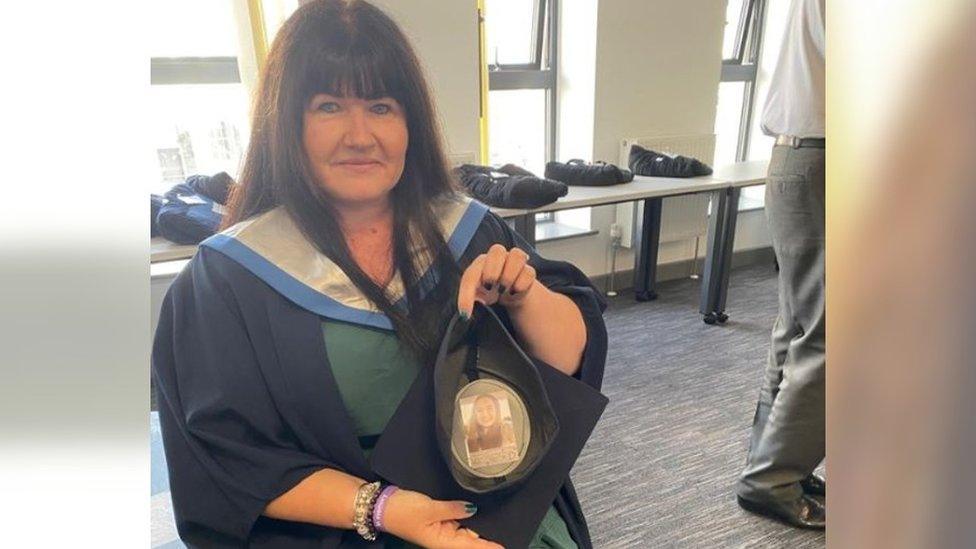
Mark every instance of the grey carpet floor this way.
pixel 660 467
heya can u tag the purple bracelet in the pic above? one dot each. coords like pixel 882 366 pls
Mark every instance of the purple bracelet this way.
pixel 381 506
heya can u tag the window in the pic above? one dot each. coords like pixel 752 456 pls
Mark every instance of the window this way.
pixel 520 40
pixel 199 103
pixel 520 50
pixel 741 48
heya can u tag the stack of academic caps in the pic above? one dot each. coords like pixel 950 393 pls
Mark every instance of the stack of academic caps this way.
pixel 576 172
pixel 509 186
pixel 651 163
pixel 191 211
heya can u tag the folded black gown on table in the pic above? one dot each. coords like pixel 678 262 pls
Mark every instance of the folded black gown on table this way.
pixel 579 173
pixel 509 186
pixel 188 217
pixel 647 162
pixel 215 187
pixel 155 203
pixel 431 444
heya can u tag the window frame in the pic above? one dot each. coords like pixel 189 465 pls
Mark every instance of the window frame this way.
pixel 540 10
pixel 193 70
pixel 743 66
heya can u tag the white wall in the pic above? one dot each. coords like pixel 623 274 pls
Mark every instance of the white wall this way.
pixel 445 36
pixel 657 68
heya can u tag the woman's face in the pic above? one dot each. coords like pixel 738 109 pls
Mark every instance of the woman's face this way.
pixel 485 412
pixel 356 147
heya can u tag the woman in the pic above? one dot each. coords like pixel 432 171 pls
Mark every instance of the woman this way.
pixel 285 346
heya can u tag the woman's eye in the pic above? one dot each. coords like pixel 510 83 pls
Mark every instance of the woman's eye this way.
pixel 381 108
pixel 329 106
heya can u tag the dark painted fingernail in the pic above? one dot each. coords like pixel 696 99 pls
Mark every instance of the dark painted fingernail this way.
pixel 487 286
pixel 464 315
pixel 471 508
pixel 501 288
pixel 512 291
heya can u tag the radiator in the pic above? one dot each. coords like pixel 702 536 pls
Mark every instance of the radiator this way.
pixel 682 217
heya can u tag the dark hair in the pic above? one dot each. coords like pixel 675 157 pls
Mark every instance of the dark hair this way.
pixel 351 48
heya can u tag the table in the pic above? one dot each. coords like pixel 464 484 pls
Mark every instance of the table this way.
pixel 650 190
pixel 161 250
pixel 721 235
pixel 724 185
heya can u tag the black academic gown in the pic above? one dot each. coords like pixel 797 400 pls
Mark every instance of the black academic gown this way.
pixel 249 407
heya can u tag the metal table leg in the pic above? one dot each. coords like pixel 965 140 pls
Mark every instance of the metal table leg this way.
pixel 646 247
pixel 712 273
pixel 728 237
pixel 525 226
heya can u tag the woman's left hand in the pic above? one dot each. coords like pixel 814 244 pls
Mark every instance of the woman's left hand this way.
pixel 499 276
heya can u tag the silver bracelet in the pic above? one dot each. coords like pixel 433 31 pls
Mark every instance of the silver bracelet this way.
pixel 363 511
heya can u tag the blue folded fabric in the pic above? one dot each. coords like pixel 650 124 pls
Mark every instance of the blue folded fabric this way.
pixel 188 217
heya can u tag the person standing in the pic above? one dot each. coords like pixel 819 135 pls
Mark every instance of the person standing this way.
pixel 788 433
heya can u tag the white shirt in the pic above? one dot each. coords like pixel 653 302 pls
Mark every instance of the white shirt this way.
pixel 795 103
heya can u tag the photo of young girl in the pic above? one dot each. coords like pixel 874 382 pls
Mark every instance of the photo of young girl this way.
pixel 489 433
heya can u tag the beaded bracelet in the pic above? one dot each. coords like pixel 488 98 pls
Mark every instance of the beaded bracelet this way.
pixel 362 517
pixel 380 507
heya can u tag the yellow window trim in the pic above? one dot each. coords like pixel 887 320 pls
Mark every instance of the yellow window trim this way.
pixel 259 34
pixel 483 81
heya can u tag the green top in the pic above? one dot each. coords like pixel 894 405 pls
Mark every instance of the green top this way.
pixel 374 374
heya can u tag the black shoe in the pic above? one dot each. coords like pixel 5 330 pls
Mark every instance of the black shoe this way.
pixel 804 512
pixel 647 162
pixel 597 174
pixel 814 485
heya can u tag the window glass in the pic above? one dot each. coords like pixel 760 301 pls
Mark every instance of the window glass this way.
pixel 191 28
pixel 727 118
pixel 197 129
pixel 510 31
pixel 275 14
pixel 733 12
pixel 517 122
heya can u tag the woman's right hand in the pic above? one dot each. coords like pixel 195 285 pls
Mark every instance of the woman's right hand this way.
pixel 416 518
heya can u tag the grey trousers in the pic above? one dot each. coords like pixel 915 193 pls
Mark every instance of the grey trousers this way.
pixel 788 431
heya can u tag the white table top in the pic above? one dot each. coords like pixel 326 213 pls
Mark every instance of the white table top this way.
pixel 161 250
pixel 743 174
pixel 740 174
pixel 640 188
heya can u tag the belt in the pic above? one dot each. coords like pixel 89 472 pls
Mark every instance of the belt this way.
pixel 800 143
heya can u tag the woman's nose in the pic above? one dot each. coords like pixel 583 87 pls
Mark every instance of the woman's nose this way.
pixel 358 134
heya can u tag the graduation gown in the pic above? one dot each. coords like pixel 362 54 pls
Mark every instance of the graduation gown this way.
pixel 248 404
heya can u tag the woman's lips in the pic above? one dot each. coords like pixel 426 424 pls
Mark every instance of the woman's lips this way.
pixel 358 165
